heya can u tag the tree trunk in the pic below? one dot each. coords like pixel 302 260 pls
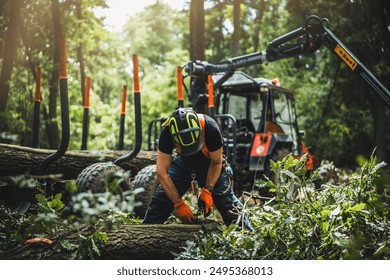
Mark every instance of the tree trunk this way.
pixel 51 121
pixel 127 242
pixel 197 28
pixel 237 28
pixel 80 54
pixel 10 47
pixel 17 160
pixel 218 36
pixel 26 43
pixel 256 32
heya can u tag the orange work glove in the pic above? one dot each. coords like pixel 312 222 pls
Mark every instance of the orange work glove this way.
pixel 205 201
pixel 184 212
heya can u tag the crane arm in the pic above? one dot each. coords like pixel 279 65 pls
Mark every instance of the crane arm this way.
pixel 301 41
pixel 315 33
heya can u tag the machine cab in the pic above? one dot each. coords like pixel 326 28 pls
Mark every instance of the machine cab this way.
pixel 265 118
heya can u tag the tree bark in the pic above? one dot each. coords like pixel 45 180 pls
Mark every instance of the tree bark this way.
pixel 17 160
pixel 80 53
pixel 127 242
pixel 197 28
pixel 256 32
pixel 10 47
pixel 51 121
pixel 218 36
pixel 26 43
pixel 237 28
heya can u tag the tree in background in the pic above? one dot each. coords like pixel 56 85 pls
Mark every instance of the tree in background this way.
pixel 51 117
pixel 80 51
pixel 197 30
pixel 237 28
pixel 9 50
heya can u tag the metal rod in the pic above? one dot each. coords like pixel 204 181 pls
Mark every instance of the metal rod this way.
pixel 211 95
pixel 64 112
pixel 121 132
pixel 37 108
pixel 84 139
pixel 180 98
pixel 122 119
pixel 138 117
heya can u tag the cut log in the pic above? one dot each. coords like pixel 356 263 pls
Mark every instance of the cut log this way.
pixel 128 242
pixel 17 160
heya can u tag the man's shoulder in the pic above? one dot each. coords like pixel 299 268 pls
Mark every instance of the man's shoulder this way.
pixel 207 117
pixel 209 121
pixel 165 133
pixel 212 130
pixel 165 144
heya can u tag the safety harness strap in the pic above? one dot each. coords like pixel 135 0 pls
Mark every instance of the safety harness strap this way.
pixel 202 122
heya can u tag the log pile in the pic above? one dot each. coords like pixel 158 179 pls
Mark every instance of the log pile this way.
pixel 17 160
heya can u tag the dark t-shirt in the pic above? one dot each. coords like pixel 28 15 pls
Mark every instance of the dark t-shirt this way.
pixel 213 139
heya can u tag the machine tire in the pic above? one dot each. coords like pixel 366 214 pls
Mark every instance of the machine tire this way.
pixel 93 177
pixel 145 184
pixel 20 207
pixel 17 206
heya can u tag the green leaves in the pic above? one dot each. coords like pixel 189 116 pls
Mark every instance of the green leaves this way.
pixel 89 214
pixel 337 222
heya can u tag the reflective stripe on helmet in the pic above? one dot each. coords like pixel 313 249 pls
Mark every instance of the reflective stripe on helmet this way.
pixel 189 132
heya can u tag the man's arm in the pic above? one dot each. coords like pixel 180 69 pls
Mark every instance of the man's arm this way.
pixel 205 200
pixel 163 164
pixel 215 167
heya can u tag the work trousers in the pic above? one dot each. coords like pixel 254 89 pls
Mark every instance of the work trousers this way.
pixel 181 174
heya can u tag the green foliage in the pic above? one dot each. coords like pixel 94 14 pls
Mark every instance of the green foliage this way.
pixel 88 207
pixel 345 221
pixel 88 246
pixel 88 214
pixel 153 32
pixel 47 220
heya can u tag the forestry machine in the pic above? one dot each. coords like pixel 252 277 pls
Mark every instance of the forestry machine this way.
pixel 257 116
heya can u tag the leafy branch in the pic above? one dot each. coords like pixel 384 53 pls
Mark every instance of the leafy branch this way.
pixel 349 220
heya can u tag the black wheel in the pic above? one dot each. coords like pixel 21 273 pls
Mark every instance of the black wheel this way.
pixel 20 207
pixel 145 184
pixel 10 199
pixel 98 176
